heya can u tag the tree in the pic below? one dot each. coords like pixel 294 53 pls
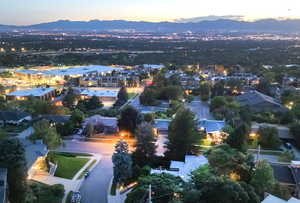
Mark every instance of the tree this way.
pixel 149 97
pixel 182 135
pixel 129 119
pixel 226 160
pixel 145 147
pixel 163 186
pixel 220 189
pixel 263 178
pixel 93 103
pixel 170 92
pixel 49 135
pixel 264 86
pixel 239 138
pixel 77 118
pixel 204 91
pixel 12 157
pixel 217 102
pixel 89 130
pixel 149 118
pixel 122 163
pixel 218 89
pixel 70 98
pixel 122 97
pixel 295 131
pixel 268 137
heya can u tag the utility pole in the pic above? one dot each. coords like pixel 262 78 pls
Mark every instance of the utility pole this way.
pixel 150 199
pixel 257 155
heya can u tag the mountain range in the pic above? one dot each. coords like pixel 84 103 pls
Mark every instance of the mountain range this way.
pixel 196 25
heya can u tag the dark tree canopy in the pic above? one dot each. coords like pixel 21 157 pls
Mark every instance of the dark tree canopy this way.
pixel 129 119
pixel 182 135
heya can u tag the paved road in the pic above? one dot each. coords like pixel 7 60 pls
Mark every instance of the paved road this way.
pixel 94 188
pixel 200 109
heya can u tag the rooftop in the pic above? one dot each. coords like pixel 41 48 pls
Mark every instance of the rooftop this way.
pixel 36 92
pixel 99 93
pixel 254 97
pixel 211 126
pixel 272 199
pixel 13 115
pixel 80 70
pixel 191 163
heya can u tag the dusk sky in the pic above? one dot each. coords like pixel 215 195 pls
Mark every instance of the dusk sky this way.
pixel 24 12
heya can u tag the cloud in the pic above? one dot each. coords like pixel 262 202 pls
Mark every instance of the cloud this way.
pixel 210 18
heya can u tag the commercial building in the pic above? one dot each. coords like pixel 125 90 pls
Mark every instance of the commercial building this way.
pixel 39 93
pixel 107 97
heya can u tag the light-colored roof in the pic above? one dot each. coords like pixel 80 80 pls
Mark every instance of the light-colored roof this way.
pixel 36 92
pixel 153 66
pixel 98 119
pixel 211 126
pixel 272 199
pixel 185 168
pixel 99 93
pixel 80 70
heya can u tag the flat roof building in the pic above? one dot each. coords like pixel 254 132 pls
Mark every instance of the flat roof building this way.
pixel 107 97
pixel 40 93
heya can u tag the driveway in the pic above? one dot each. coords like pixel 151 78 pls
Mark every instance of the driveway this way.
pixel 94 188
pixel 200 109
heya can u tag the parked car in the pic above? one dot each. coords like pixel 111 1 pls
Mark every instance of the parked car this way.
pixel 288 145
pixel 76 197
pixel 87 174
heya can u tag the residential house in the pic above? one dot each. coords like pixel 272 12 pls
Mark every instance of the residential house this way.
pixel 259 102
pixel 213 129
pixel 184 169
pixel 14 117
pixel 103 124
pixel 162 125
pixel 273 199
pixel 106 96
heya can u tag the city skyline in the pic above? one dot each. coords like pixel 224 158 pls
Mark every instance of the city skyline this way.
pixel 15 12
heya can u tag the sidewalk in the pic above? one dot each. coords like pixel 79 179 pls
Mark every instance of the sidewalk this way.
pixel 69 185
pixel 118 198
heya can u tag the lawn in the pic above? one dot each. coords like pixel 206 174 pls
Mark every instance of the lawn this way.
pixel 131 95
pixel 68 166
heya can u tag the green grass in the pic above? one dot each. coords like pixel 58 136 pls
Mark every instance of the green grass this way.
pixel 68 166
pixel 131 95
pixel 87 169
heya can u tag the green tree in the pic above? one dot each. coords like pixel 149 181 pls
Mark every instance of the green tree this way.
pixel 182 135
pixel 204 91
pixel 263 178
pixel 122 163
pixel 220 189
pixel 77 118
pixel 49 135
pixel 70 98
pixel 239 138
pixel 163 186
pixel 217 102
pixel 93 103
pixel 12 157
pixel 129 119
pixel 122 97
pixel 218 89
pixel 149 97
pixel 226 160
pixel 145 147
pixel 268 137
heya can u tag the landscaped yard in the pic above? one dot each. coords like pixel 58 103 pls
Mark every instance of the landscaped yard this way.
pixel 131 95
pixel 68 166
